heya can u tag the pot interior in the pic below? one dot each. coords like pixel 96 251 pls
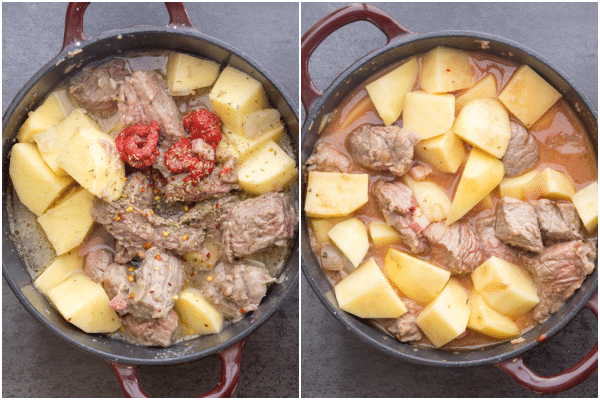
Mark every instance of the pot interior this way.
pixel 14 260
pixel 397 50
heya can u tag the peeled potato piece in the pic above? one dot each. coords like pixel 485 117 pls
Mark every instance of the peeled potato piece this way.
pixel 197 313
pixel 333 194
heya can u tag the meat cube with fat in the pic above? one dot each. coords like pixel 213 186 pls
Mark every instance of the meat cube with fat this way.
pixel 521 153
pixel 258 223
pixel 517 224
pixel 383 148
pixel 399 207
pixel 97 88
pixel 219 183
pixel 237 288
pixel 455 248
pixel 326 158
pixel 404 328
pixel 155 332
pixel 558 220
pixel 98 250
pixel 491 245
pixel 558 271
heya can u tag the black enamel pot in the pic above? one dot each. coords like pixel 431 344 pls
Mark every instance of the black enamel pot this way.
pixel 77 52
pixel 402 43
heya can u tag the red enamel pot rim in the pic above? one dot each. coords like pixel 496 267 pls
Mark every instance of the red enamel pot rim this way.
pixel 79 51
pixel 402 43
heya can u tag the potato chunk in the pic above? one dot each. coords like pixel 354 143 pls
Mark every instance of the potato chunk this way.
pixel 445 152
pixel 528 96
pixel 432 200
pixel 549 184
pixel 586 203
pixel 84 303
pixel 333 194
pixel 428 115
pixel 67 224
pixel 35 183
pixel 417 279
pixel 446 70
pixel 389 91
pixel 482 173
pixel 234 95
pixel 197 313
pixel 186 73
pixel 259 122
pixel 505 287
pixel 446 317
pixel 53 140
pixel 513 187
pixel 245 146
pixel 52 111
pixel 60 269
pixel 268 168
pixel 488 321
pixel 367 293
pixel 92 159
pixel 383 234
pixel 350 236
pixel 484 123
pixel 486 87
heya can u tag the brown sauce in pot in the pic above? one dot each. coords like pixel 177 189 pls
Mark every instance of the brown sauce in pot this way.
pixel 564 145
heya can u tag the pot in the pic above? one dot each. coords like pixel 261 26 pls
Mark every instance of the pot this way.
pixel 77 51
pixel 401 43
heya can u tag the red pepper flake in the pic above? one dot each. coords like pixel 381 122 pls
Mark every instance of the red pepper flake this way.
pixel 202 124
pixel 131 295
pixel 191 274
pixel 137 144
pixel 69 320
pixel 542 337
pixel 158 257
pixel 242 311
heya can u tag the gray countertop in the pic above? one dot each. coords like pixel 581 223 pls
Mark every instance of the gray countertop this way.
pixel 35 363
pixel 334 362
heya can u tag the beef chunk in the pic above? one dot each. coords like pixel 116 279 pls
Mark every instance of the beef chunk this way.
pixel 98 250
pixel 135 227
pixel 210 214
pixel 558 221
pixel 558 271
pixel 491 245
pixel 521 153
pixel 115 281
pixel 143 98
pixel 258 223
pixel 97 88
pixel 331 258
pixel 217 184
pixel 455 248
pixel 326 158
pixel 404 328
pixel 237 289
pixel 155 332
pixel 517 224
pixel 420 171
pixel 383 148
pixel 157 280
pixel 400 210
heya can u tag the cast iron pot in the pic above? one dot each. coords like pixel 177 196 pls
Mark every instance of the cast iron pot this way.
pixel 78 51
pixel 402 43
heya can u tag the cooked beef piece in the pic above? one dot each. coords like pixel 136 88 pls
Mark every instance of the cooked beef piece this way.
pixel 517 224
pixel 558 221
pixel 420 171
pixel 455 248
pixel 258 223
pixel 217 184
pixel 156 281
pixel 558 271
pixel 209 214
pixel 154 332
pixel 115 281
pixel 491 245
pixel 331 258
pixel 383 148
pixel 521 153
pixel 143 98
pixel 97 88
pixel 326 158
pixel 237 289
pixel 404 328
pixel 400 210
pixel 228 172
pixel 98 250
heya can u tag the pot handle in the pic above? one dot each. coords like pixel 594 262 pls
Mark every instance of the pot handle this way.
pixel 178 16
pixel 325 27
pixel 231 359
pixel 560 382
